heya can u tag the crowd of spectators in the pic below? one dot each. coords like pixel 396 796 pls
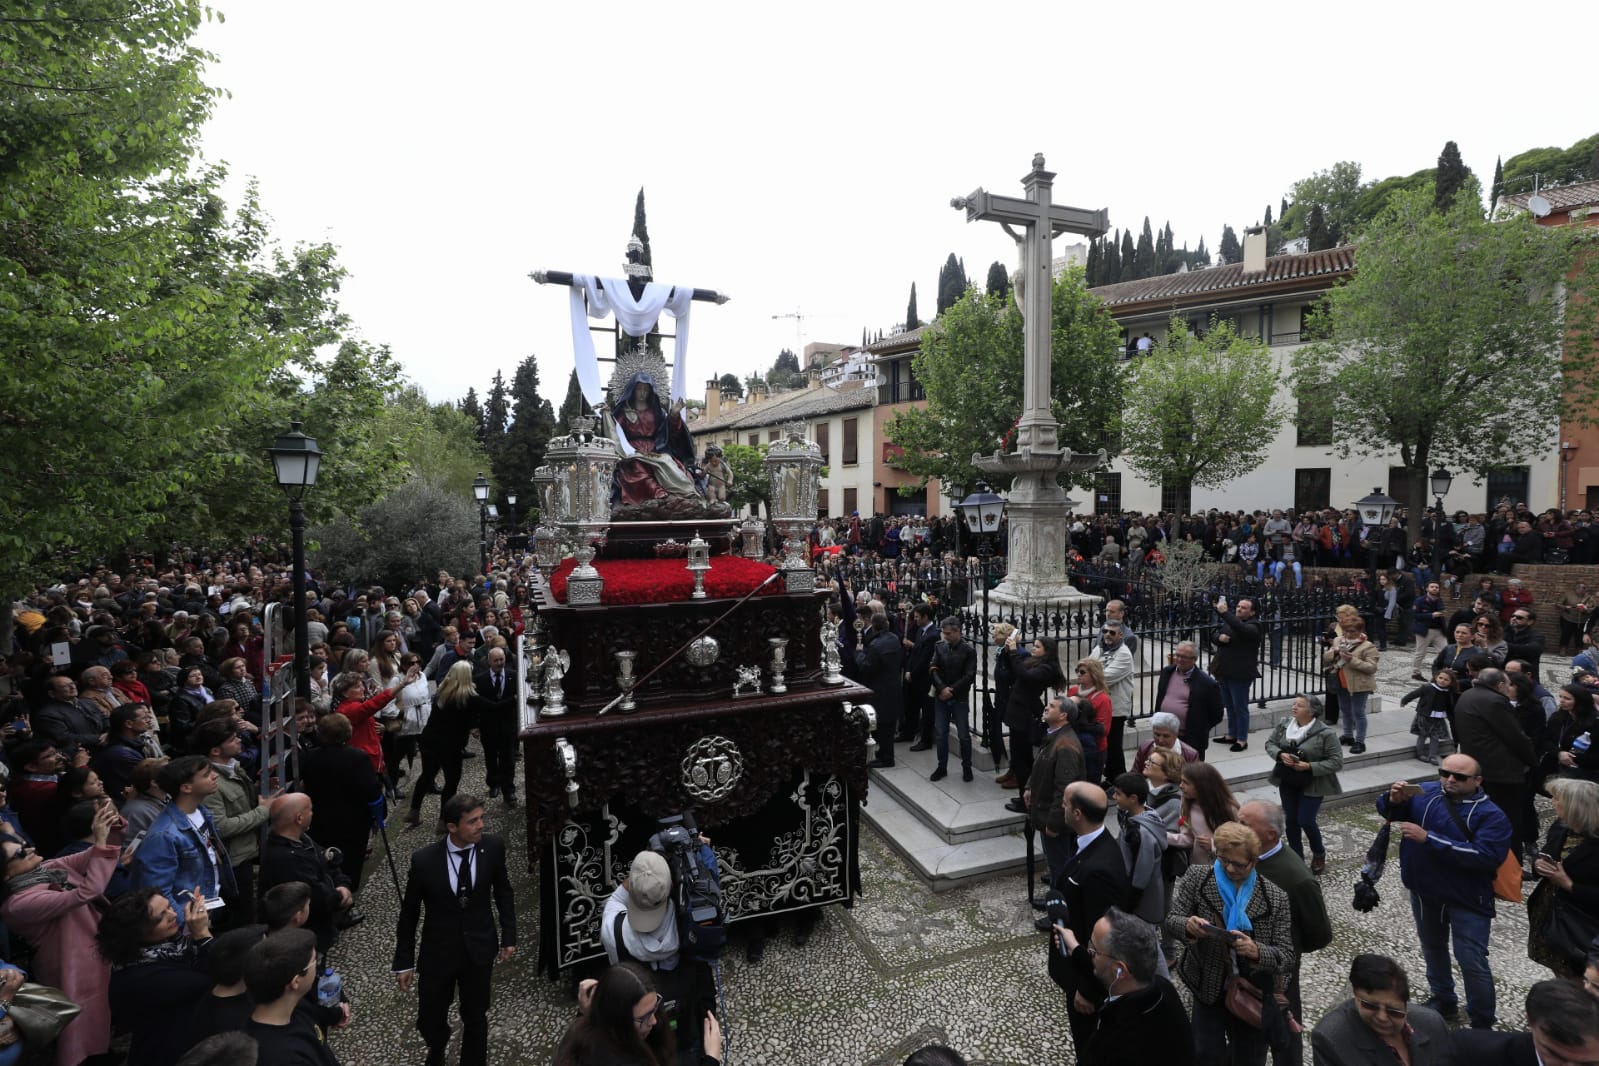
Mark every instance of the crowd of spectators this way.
pixel 175 892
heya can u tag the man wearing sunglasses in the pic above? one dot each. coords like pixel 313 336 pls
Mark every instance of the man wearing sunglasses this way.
pixel 1453 840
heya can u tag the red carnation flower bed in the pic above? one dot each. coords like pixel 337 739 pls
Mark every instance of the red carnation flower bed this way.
pixel 669 580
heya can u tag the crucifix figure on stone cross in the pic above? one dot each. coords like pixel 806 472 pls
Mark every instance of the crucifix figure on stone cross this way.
pixel 1034 223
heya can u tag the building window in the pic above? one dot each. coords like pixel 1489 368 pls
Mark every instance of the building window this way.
pixel 821 502
pixel 902 384
pixel 1107 492
pixel 755 440
pixel 1507 483
pixel 1399 484
pixel 1313 422
pixel 822 439
pixel 850 505
pixel 897 503
pixel 1308 330
pixel 851 443
pixel 1312 488
pixel 1177 497
pixel 771 436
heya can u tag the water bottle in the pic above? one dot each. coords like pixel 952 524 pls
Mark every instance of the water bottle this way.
pixel 329 988
pixel 1580 745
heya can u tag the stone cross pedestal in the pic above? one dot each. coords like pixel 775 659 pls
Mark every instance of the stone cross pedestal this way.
pixel 1036 504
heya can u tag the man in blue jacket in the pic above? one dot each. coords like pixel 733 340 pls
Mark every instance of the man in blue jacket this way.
pixel 1453 842
pixel 182 850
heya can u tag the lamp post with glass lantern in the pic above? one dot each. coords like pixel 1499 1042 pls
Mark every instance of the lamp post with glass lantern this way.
pixel 480 492
pixel 510 500
pixel 982 511
pixel 1441 480
pixel 1375 510
pixel 295 461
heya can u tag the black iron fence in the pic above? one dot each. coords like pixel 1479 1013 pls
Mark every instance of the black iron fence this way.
pixel 1160 617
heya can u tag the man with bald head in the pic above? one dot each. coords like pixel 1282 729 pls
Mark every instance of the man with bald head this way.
pixel 1093 880
pixel 291 855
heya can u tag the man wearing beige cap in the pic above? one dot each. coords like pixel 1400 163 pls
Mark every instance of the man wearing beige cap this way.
pixel 639 922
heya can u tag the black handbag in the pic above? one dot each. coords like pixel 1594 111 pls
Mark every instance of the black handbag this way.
pixel 1570 930
pixel 1291 778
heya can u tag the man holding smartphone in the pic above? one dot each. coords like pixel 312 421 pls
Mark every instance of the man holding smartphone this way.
pixel 1453 840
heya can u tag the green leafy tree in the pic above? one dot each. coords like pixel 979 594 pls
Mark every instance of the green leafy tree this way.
pixel 1452 174
pixel 411 532
pixel 435 442
pixel 574 404
pixel 731 383
pixel 1200 410
pixel 786 372
pixel 1229 251
pixel 1337 191
pixel 1446 345
pixel 911 319
pixel 998 282
pixel 970 366
pixel 750 486
pixel 1554 166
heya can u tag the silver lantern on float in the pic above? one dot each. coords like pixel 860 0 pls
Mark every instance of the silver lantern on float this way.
pixel 793 467
pixel 581 465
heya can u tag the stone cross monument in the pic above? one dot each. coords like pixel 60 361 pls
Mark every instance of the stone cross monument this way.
pixel 1036 570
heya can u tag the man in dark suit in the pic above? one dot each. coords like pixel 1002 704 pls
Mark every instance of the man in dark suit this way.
pixel 1142 1017
pixel 916 719
pixel 1093 881
pixel 494 705
pixel 1195 697
pixel 1486 729
pixel 877 667
pixel 453 879
pixel 1564 1024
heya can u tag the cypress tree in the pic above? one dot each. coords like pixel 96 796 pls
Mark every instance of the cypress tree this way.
pixel 1267 221
pixel 1452 174
pixel 1499 178
pixel 573 405
pixel 1162 253
pixel 1110 263
pixel 1283 209
pixel 496 416
pixel 1129 269
pixel 1169 264
pixel 951 283
pixel 911 321
pixel 473 410
pixel 1201 255
pixel 1229 251
pixel 1317 231
pixel 641 228
pixel 998 283
pixel 1144 256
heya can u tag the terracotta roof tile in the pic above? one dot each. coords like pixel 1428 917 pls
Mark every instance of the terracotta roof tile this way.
pixel 1279 268
pixel 785 407
pixel 1561 197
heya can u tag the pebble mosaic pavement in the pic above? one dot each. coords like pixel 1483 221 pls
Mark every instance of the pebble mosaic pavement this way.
pixel 903 968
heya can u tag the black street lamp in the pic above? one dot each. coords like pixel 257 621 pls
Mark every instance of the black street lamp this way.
pixel 1441 480
pixel 480 491
pixel 982 511
pixel 296 460
pixel 510 499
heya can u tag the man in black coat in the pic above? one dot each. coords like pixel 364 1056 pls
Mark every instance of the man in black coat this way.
pixel 291 855
pixel 343 788
pixel 494 706
pixel 453 880
pixel 1486 729
pixel 877 666
pixel 1563 1020
pixel 1234 663
pixel 1143 1017
pixel 916 719
pixel 70 721
pixel 1093 881
pixel 1200 703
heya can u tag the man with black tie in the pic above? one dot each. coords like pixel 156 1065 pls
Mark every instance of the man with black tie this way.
pixel 916 718
pixel 1093 881
pixel 453 878
pixel 495 708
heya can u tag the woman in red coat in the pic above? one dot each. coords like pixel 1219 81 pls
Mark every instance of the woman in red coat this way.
pixel 362 711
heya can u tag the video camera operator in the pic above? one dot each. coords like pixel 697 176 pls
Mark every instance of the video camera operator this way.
pixel 666 916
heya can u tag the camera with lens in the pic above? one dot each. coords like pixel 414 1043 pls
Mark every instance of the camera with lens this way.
pixel 696 887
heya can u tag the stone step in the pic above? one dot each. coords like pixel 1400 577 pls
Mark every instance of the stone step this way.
pixel 940 864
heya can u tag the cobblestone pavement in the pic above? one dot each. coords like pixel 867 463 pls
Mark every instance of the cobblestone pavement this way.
pixel 902 968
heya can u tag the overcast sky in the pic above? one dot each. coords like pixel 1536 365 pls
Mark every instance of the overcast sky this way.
pixel 802 157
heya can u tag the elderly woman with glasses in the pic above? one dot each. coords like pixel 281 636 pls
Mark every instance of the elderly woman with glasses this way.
pixel 1306 758
pixel 1231 920
pixel 1569 866
pixel 1165 735
pixel 1378 1023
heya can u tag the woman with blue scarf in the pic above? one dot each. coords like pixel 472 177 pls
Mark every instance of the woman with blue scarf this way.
pixel 1231 920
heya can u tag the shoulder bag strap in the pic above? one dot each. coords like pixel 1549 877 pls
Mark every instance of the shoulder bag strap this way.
pixel 1461 822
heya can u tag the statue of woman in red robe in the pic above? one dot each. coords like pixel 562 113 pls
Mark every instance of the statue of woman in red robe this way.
pixel 663 449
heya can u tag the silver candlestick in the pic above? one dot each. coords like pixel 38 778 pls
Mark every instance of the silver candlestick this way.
pixel 831 663
pixel 625 680
pixel 779 647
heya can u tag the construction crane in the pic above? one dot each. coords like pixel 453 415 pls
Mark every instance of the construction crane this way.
pixel 799 323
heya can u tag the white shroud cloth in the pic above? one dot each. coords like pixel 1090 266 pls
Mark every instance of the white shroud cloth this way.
pixel 637 318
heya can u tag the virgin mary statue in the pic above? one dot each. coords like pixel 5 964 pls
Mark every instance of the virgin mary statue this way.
pixel 663 450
